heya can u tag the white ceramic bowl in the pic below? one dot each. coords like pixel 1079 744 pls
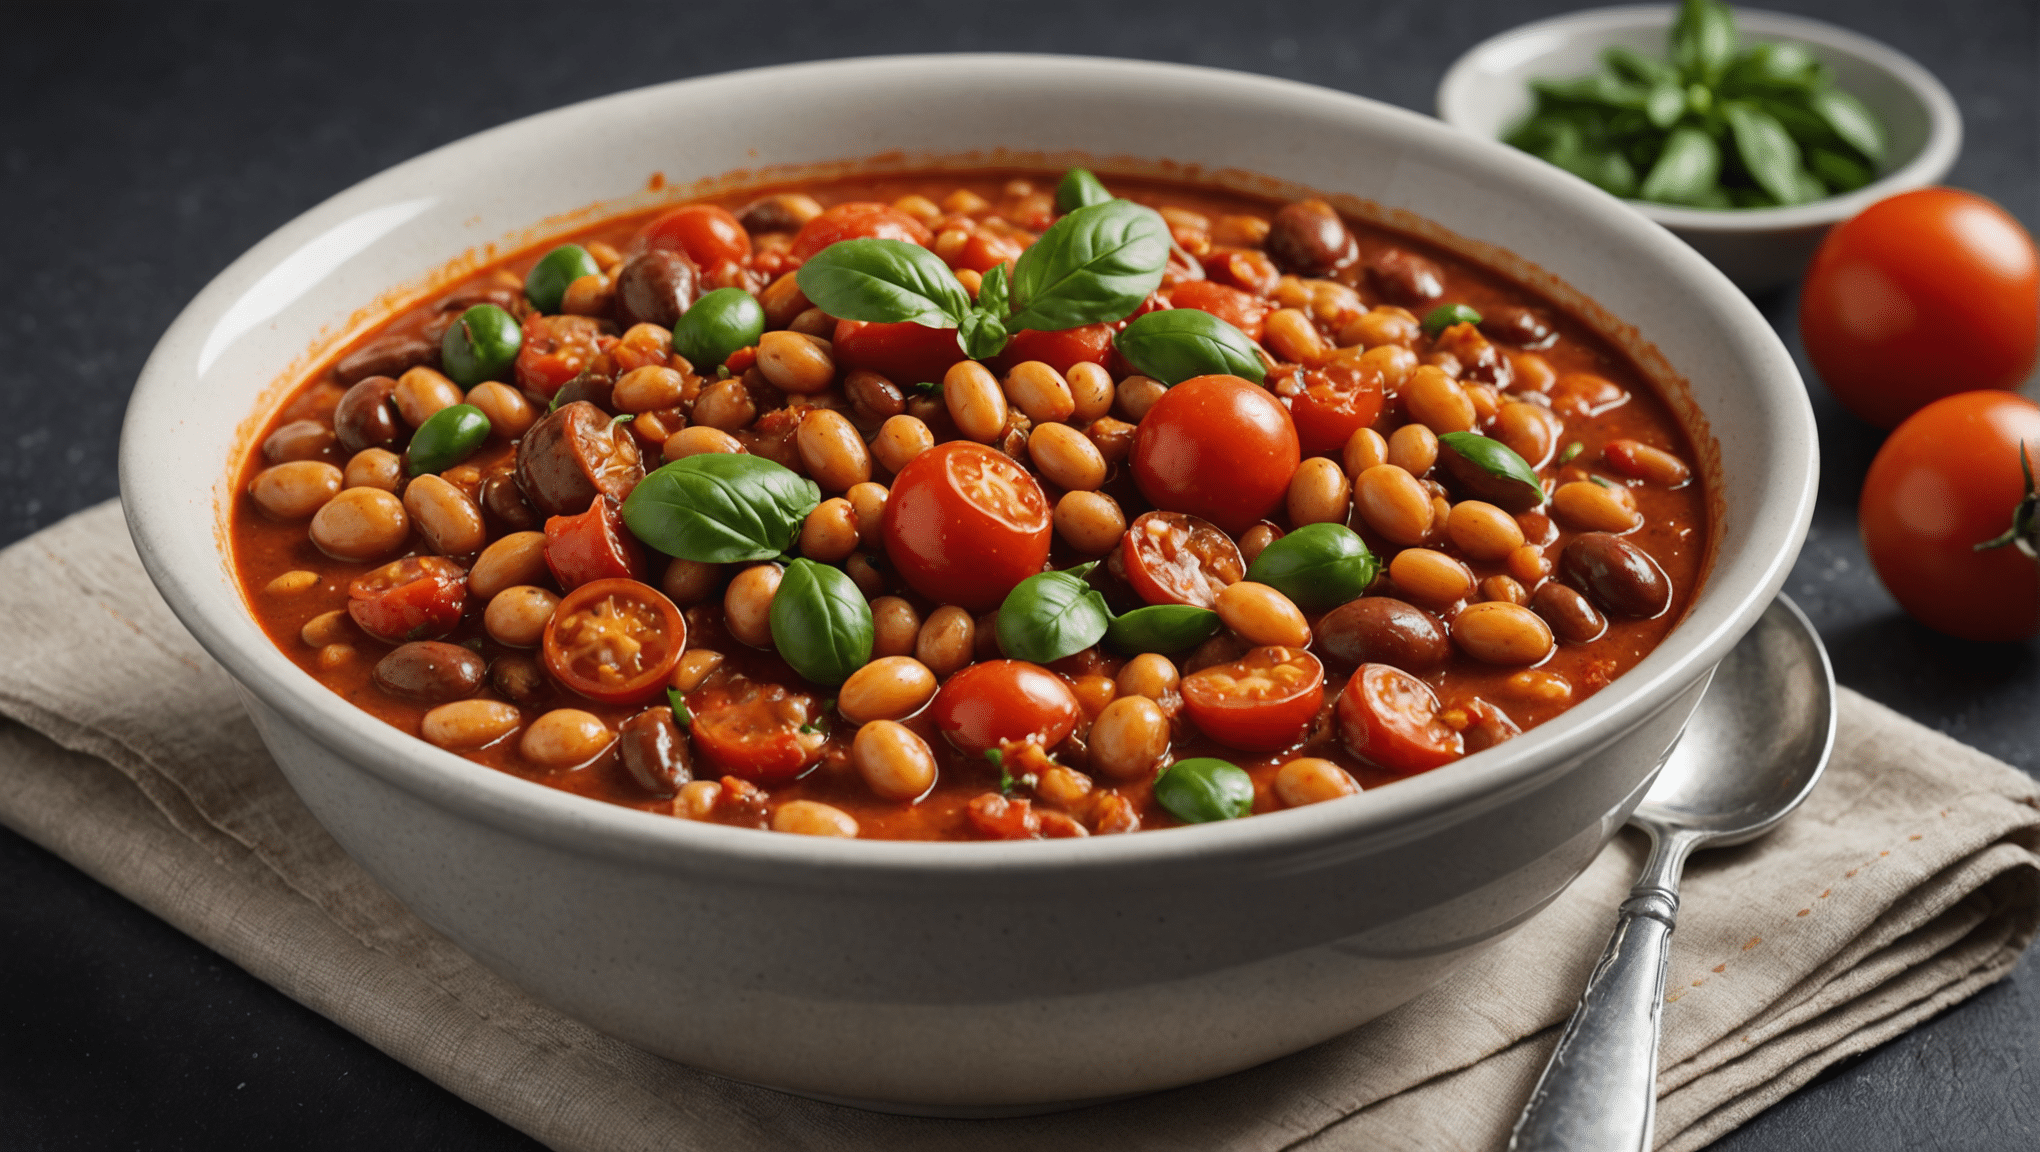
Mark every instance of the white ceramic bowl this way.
pixel 1487 91
pixel 967 976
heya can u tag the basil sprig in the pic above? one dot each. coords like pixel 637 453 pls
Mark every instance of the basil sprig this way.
pixel 1079 189
pixel 1318 566
pixel 821 623
pixel 1165 628
pixel 1174 344
pixel 1490 470
pixel 1204 789
pixel 721 508
pixel 1095 265
pixel 1052 615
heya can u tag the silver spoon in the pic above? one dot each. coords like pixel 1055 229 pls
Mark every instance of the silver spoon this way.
pixel 1751 752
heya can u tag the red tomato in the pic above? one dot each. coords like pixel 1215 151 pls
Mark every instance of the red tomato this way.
pixel 1945 482
pixel 996 817
pixel 1090 344
pixel 1170 558
pixel 1333 403
pixel 416 598
pixel 1243 268
pixel 754 729
pixel 1262 702
pixel 904 353
pixel 1217 447
pixel 615 641
pixel 964 524
pixel 998 702
pixel 593 545
pixel 858 220
pixel 1390 718
pixel 707 234
pixel 556 349
pixel 1921 296
pixel 1243 310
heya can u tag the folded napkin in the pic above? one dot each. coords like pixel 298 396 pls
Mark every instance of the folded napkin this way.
pixel 1908 882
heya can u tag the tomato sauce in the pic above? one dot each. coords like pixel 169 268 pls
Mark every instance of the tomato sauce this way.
pixel 1481 701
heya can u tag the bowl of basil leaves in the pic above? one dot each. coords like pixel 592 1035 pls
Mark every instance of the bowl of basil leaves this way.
pixel 1748 134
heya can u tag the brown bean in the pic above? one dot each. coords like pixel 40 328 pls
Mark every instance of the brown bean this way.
pixel 1393 504
pixel 947 641
pixel 504 501
pixel 690 582
pixel 1066 457
pixel 647 388
pixel 1136 394
pixel 573 455
pixel 1319 493
pixel 1430 577
pixel 591 295
pixel 894 761
pixel 1498 632
pixel 814 322
pixel 1638 460
pixel 1384 630
pixel 1129 738
pixel 1256 539
pixel 1309 239
pixel 1514 324
pixel 1040 391
pixel 655 752
pixel 1260 615
pixel 831 450
pixel 1113 438
pixel 899 440
pixel 1528 430
pixel 895 626
pixel 421 392
pixel 747 605
pixel 1091 390
pixel 360 524
pixel 295 489
pixel 1309 780
pixel 656 286
pixel 1621 578
pixel 516 617
pixel 1483 531
pixel 867 501
pixel 975 401
pixel 449 521
pixel 1572 617
pixel 873 398
pixel 510 414
pixel 779 212
pixel 298 440
pixel 1386 325
pixel 795 362
pixel 888 688
pixel 829 533
pixel 1437 401
pixel 695 667
pixel 696 439
pixel 1413 448
pixel 1503 588
pixel 1364 449
pixel 465 725
pixel 388 356
pixel 1476 482
pixel 1149 674
pixel 374 468
pixel 1529 564
pixel 726 405
pixel 867 575
pixel 565 737
pixel 1291 336
pixel 813 818
pixel 365 417
pixel 1406 277
pixel 518 558
pixel 519 679
pixel 429 672
pixel 1090 522
pixel 1592 507
pixel 1577 395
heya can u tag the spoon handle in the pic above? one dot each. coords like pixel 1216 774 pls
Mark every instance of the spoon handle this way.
pixel 1598 1093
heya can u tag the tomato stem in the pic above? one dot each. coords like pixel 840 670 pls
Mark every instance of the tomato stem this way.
pixel 2025 529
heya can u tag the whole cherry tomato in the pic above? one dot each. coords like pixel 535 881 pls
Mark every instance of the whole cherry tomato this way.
pixel 964 524
pixel 1946 481
pixel 1333 402
pixel 858 220
pixel 755 729
pixel 707 234
pixel 1170 558
pixel 1390 718
pixel 998 702
pixel 592 546
pixel 905 353
pixel 1243 310
pixel 1262 702
pixel 1217 447
pixel 1090 344
pixel 1921 296
pixel 416 598
pixel 616 641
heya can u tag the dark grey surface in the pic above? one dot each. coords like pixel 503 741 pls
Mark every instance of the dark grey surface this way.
pixel 143 148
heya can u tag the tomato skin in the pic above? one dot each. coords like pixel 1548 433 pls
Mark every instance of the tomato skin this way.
pixel 951 547
pixel 740 727
pixel 593 545
pixel 858 220
pixel 1170 558
pixel 996 702
pixel 1091 344
pixel 707 234
pixel 1920 296
pixel 416 598
pixel 1334 402
pixel 555 350
pixel 905 353
pixel 1388 717
pixel 1945 481
pixel 1217 447
pixel 1266 725
pixel 1243 310
pixel 665 642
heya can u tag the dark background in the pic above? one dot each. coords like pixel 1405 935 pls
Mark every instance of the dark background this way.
pixel 146 147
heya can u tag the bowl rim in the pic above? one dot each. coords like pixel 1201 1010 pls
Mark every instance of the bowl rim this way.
pixel 1937 155
pixel 1368 823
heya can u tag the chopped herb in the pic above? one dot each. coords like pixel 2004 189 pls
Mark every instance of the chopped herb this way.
pixel 1571 450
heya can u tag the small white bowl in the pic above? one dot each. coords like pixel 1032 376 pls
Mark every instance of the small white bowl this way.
pixel 1487 91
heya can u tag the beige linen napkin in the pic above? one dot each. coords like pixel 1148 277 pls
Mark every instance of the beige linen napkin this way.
pixel 1908 882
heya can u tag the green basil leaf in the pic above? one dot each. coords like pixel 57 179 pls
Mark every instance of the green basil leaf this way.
pixel 1686 170
pixel 1852 121
pixel 981 335
pixel 994 292
pixel 682 715
pixel 721 508
pixel 1775 64
pixel 1205 789
pixel 1610 170
pixel 1804 125
pixel 1166 628
pixel 1638 68
pixel 1174 344
pixel 1767 150
pixel 1839 171
pixel 885 282
pixel 1704 40
pixel 1666 103
pixel 1052 615
pixel 1079 189
pixel 1318 566
pixel 821 622
pixel 1446 315
pixel 1490 470
pixel 1597 88
pixel 1092 266
pixel 548 279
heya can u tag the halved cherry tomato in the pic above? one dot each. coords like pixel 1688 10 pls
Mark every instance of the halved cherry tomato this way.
pixel 997 817
pixel 998 702
pixel 905 353
pixel 964 524
pixel 1243 310
pixel 616 641
pixel 556 349
pixel 858 220
pixel 707 234
pixel 1390 718
pixel 1217 447
pixel 1090 344
pixel 1261 702
pixel 756 729
pixel 592 546
pixel 1334 402
pixel 416 598
pixel 1171 558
